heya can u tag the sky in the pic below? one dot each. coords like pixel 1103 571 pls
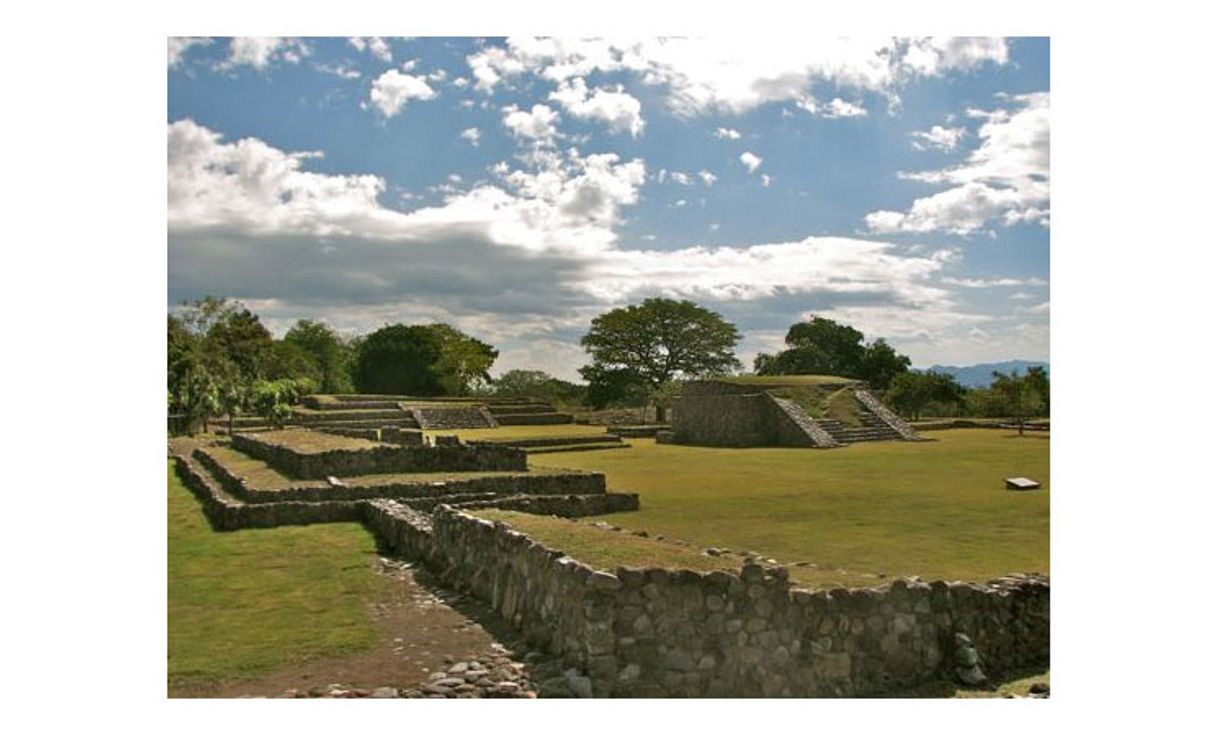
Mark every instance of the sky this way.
pixel 516 188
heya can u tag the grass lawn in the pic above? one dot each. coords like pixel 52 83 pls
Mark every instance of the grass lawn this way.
pixel 524 431
pixel 311 441
pixel 934 509
pixel 247 602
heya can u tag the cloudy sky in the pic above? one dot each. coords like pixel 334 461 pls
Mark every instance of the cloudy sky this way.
pixel 516 188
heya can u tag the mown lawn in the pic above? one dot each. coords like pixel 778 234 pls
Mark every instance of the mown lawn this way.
pixel 247 602
pixel 934 509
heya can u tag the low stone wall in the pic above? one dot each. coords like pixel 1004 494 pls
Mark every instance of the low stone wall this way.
pixel 516 484
pixel 683 633
pixel 569 507
pixel 227 514
pixel 557 417
pixel 402 436
pixel 319 465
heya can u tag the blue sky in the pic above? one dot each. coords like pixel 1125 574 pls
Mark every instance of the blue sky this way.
pixel 518 187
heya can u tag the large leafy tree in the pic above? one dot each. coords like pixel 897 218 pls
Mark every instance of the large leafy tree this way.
pixel 422 360
pixel 332 356
pixel 911 392
pixel 1020 396
pixel 823 347
pixel 657 341
pixel 464 363
pixel 398 359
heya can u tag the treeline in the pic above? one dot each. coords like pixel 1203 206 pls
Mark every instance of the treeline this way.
pixel 222 360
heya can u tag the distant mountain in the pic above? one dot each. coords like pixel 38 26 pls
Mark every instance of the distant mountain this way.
pixel 980 375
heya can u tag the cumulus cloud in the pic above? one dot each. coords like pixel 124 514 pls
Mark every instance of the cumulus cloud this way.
pixel 938 137
pixel 537 124
pixel 392 90
pixel 620 110
pixel 990 283
pixel 707 177
pixel 750 160
pixel 375 45
pixel 727 133
pixel 1005 180
pixel 260 52
pixel 472 135
pixel 178 45
pixel 839 108
pixel 702 75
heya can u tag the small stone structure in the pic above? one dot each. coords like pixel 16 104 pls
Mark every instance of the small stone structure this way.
pixel 726 413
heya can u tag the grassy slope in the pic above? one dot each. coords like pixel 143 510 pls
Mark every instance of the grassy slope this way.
pixel 937 509
pixel 246 602
pixel 523 431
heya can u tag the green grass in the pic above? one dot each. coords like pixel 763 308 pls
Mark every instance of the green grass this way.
pixel 934 509
pixel 524 431
pixel 607 549
pixel 311 441
pixel 248 602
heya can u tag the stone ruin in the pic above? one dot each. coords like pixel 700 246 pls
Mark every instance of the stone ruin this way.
pixel 374 411
pixel 740 412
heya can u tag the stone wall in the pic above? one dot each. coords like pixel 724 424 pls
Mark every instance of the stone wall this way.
pixel 319 465
pixel 683 633
pixel 226 513
pixel 886 415
pixel 514 484
pixel 453 417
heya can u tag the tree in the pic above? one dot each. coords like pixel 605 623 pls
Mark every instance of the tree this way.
pixel 1019 395
pixel 289 360
pixel 332 356
pixel 465 362
pixel 398 359
pixel 910 392
pixel 613 387
pixel 823 347
pixel 657 341
pixel 881 364
pixel 518 383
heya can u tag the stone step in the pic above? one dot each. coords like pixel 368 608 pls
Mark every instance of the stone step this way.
pixel 521 409
pixel 524 419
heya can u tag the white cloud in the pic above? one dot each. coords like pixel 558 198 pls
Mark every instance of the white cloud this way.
pixel 178 45
pixel 703 75
pixel 620 110
pixel 938 137
pixel 338 70
pixel 375 45
pixel 393 89
pixel 1005 179
pixel 537 124
pixel 991 283
pixel 681 178
pixel 727 133
pixel 707 177
pixel 473 135
pixel 750 160
pixel 1042 308
pixel 765 180
pixel 260 52
pixel 839 108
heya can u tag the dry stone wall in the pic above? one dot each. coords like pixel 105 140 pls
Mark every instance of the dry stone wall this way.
pixel 703 416
pixel 385 459
pixel 661 632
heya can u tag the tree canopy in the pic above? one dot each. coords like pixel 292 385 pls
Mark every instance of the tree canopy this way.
pixel 650 344
pixel 911 392
pixel 823 347
pixel 421 360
